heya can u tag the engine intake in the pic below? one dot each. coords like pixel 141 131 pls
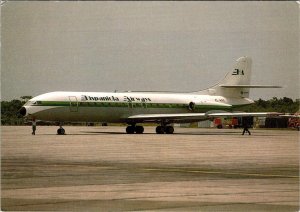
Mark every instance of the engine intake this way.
pixel 23 111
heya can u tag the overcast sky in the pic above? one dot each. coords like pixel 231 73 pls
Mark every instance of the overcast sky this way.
pixel 168 46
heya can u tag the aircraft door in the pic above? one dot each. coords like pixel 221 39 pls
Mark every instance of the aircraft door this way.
pixel 73 104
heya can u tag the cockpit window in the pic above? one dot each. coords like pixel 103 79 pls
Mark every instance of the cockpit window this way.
pixel 29 103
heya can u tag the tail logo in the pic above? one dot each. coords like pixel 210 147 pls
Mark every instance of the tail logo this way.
pixel 238 72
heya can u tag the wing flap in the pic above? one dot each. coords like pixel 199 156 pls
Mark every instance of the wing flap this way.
pixel 249 86
pixel 244 114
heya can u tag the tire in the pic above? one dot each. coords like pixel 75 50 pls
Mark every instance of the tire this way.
pixel 60 131
pixel 139 129
pixel 130 129
pixel 160 130
pixel 169 130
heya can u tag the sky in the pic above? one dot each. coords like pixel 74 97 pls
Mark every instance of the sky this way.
pixel 149 46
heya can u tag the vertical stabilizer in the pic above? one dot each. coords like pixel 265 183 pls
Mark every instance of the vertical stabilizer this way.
pixel 232 84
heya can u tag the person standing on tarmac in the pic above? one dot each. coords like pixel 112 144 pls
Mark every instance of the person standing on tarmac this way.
pixel 33 126
pixel 246 121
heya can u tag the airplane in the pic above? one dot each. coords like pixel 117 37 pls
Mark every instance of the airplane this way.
pixel 162 108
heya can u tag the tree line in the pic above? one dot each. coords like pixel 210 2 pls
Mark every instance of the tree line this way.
pixel 10 109
pixel 281 105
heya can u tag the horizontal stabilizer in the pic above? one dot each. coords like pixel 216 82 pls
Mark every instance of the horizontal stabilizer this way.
pixel 250 86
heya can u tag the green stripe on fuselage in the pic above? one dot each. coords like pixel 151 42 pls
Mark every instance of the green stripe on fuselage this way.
pixel 130 105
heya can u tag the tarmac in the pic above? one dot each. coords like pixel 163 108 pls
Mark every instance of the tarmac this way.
pixel 105 169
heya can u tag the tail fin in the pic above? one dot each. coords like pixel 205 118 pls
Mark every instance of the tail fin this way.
pixel 236 83
pixel 241 73
pixel 239 77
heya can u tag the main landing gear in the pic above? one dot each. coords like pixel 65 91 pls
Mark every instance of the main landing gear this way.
pixel 134 129
pixel 164 129
pixel 61 130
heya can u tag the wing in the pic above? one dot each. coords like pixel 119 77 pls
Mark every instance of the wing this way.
pixel 176 117
pixel 193 117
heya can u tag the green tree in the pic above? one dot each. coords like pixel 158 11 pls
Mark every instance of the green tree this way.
pixel 10 112
pixel 282 105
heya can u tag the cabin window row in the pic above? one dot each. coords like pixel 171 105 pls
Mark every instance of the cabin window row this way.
pixel 129 104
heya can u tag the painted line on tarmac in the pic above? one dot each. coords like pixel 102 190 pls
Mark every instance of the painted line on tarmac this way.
pixel 224 173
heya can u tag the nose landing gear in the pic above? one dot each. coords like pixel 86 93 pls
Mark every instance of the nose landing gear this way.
pixel 61 130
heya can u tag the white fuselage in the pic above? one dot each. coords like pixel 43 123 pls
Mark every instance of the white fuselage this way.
pixel 115 107
pixel 162 108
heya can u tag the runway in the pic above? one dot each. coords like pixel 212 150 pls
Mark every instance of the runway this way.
pixel 102 168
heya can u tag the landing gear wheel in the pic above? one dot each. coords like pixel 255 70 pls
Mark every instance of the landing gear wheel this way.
pixel 169 130
pixel 61 131
pixel 160 130
pixel 130 129
pixel 139 129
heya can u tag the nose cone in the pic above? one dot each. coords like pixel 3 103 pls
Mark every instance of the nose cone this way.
pixel 23 111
